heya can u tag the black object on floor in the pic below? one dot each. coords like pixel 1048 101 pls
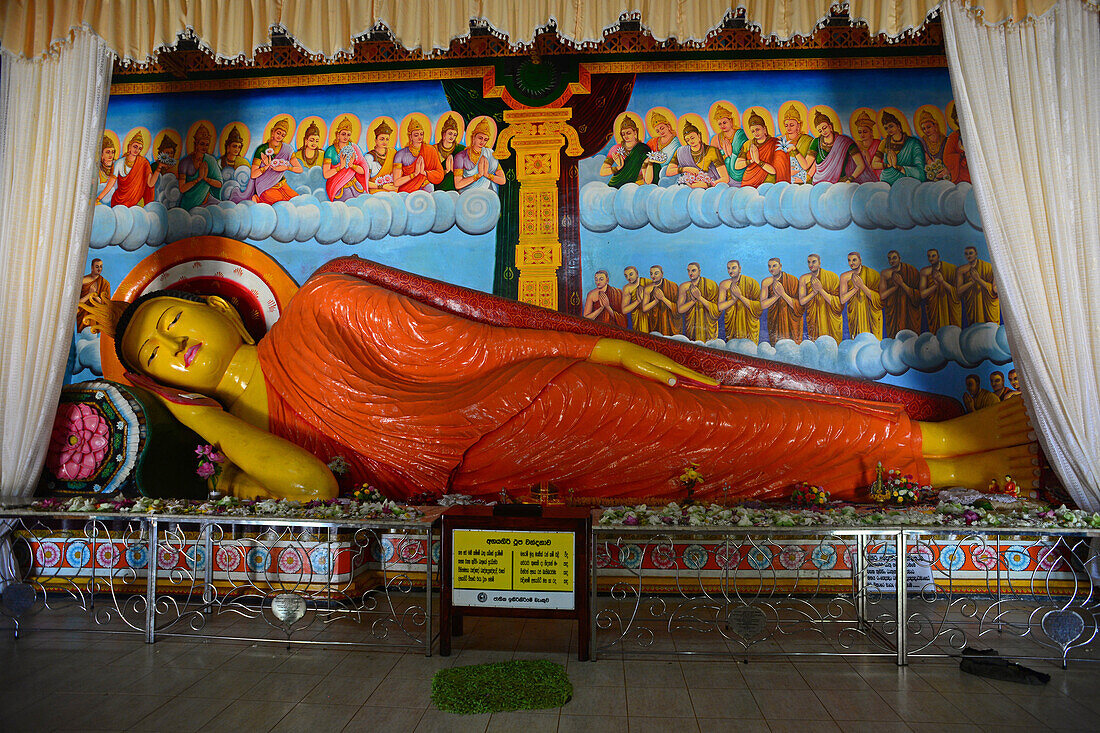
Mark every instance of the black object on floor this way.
pixel 987 663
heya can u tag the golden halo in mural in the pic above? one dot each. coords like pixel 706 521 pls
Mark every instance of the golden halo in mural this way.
pixel 720 110
pixel 290 127
pixel 146 140
pixel 471 130
pixel 952 112
pixel 245 275
pixel 658 115
pixel 372 135
pixel 457 120
pixel 828 112
pixel 171 140
pixel 929 110
pixel 300 133
pixel 696 121
pixel 797 110
pixel 902 119
pixel 338 121
pixel 425 125
pixel 868 113
pixel 765 115
pixel 242 132
pixel 110 135
pixel 189 141
pixel 634 117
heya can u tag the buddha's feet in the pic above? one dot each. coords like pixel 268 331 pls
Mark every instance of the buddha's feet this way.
pixel 975 471
pixel 1004 425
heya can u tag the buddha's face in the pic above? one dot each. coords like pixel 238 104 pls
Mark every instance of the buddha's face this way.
pixel 449 137
pixel 313 142
pixel 181 343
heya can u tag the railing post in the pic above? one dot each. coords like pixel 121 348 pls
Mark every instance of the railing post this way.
pixel 859 579
pixel 428 595
pixel 902 598
pixel 151 584
pixel 208 569
pixel 592 609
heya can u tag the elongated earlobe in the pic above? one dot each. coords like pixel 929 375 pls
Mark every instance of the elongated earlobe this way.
pixel 222 306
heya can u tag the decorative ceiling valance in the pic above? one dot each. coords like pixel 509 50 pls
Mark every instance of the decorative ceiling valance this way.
pixel 232 29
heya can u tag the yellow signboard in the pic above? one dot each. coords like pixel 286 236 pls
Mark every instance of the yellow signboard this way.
pixel 513 568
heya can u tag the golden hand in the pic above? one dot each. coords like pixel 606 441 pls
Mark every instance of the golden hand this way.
pixel 643 362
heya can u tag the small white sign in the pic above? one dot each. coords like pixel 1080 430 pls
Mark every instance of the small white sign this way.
pixel 884 577
pixel 554 600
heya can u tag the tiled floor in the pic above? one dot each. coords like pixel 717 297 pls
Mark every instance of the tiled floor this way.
pixel 62 680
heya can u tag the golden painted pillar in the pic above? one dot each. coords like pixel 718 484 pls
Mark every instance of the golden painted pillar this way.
pixel 537 135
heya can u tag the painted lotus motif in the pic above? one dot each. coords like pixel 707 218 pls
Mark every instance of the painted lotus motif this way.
pixel 79 443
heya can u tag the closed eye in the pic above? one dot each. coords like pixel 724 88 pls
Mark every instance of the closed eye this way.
pixel 174 320
pixel 153 353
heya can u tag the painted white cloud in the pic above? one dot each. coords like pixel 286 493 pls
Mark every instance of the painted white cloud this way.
pixel 867 357
pixel 86 354
pixel 906 204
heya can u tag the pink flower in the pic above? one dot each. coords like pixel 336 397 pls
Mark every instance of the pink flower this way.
pixel 79 442
pixel 205 470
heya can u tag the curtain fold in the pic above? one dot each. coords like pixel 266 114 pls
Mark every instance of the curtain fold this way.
pixel 1028 100
pixel 137 30
pixel 45 222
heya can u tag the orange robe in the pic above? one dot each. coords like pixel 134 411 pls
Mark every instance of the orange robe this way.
pixel 99 286
pixel 785 322
pixel 663 319
pixel 769 153
pixel 954 157
pixel 899 313
pixel 433 169
pixel 132 188
pixel 416 399
pixel 613 314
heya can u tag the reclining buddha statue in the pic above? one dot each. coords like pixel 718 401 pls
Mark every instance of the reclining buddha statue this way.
pixel 417 399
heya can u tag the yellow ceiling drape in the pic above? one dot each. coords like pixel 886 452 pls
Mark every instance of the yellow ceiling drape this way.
pixel 137 30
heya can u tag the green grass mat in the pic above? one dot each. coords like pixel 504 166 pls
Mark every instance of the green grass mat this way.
pixel 500 686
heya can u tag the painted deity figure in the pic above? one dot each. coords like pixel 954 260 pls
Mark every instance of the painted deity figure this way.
pixel 310 154
pixel 761 158
pixel 659 303
pixel 935 145
pixel 92 285
pixel 739 302
pixel 977 290
pixel 627 163
pixel 604 303
pixel 448 148
pixel 699 165
pixel 728 141
pixel 977 398
pixel 381 160
pixel 899 290
pixel 476 166
pixel 900 155
pixel 134 176
pixel 344 168
pixel 355 370
pixel 697 302
pixel 802 161
pixel 819 297
pixel 954 154
pixel 779 299
pixel 107 180
pixel 938 291
pixel 166 156
pixel 270 161
pixel 864 132
pixel 200 177
pixel 859 290
pixel 231 158
pixel 417 167
pixel 837 156
pixel 633 295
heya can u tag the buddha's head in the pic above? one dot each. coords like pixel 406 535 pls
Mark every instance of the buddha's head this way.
pixel 179 339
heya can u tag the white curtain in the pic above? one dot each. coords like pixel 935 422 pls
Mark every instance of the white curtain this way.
pixel 1028 98
pixel 50 137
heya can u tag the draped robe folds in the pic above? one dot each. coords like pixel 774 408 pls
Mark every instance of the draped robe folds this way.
pixel 802 147
pixel 384 164
pixel 868 174
pixel 701 322
pixel 785 322
pixel 910 158
pixel 469 166
pixel 865 312
pixel 668 149
pixel 433 168
pixel 345 183
pixel 197 195
pixel 613 313
pixel 448 182
pixel 979 306
pixel 824 314
pixel 98 286
pixel 771 154
pixel 269 187
pixel 631 172
pixel 954 157
pixel 104 179
pixel 663 319
pixel 414 399
pixel 639 319
pixel 711 159
pixel 942 307
pixel 132 187
pixel 743 321
pixel 728 149
pixel 899 313
pixel 836 162
pixel 984 399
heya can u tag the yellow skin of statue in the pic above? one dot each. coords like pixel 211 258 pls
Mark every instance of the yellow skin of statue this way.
pixel 204 348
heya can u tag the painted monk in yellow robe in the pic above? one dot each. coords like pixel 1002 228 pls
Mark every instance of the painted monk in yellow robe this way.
pixel 698 303
pixel 633 295
pixel 784 310
pixel 978 292
pixel 899 288
pixel 937 290
pixel 976 398
pixel 859 290
pixel 819 296
pixel 739 300
pixel 93 284
pixel 659 303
